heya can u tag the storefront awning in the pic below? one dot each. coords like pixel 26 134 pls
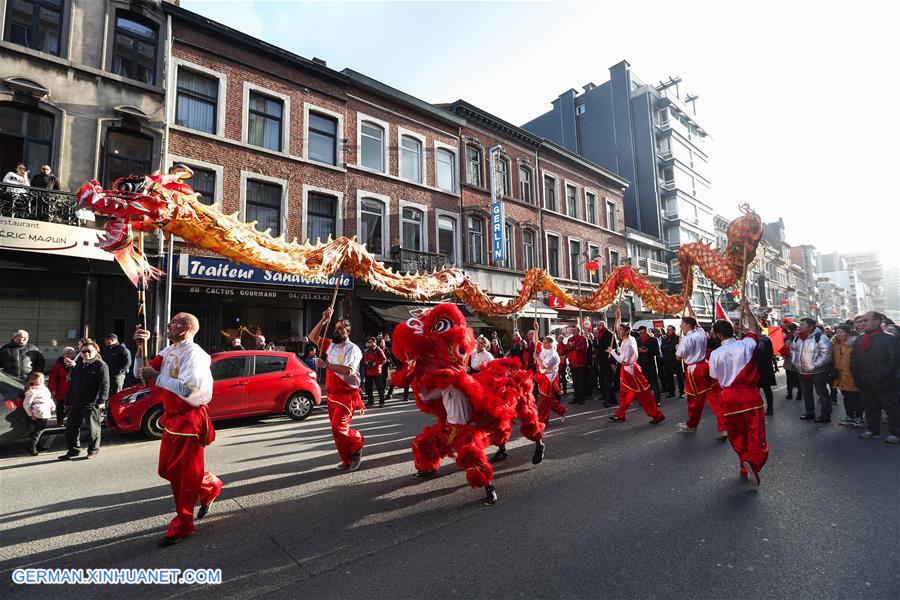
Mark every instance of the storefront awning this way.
pixel 399 313
pixel 537 308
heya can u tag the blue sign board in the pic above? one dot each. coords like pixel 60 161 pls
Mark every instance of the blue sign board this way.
pixel 219 269
pixel 498 230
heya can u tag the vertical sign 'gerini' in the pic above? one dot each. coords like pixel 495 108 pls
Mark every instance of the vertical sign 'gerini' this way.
pixel 498 213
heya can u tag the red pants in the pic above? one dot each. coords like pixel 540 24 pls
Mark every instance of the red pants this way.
pixel 549 392
pixel 695 408
pixel 348 441
pixel 466 442
pixel 645 399
pixel 181 462
pixel 747 434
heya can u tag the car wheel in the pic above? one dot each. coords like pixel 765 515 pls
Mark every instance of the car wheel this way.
pixel 150 425
pixel 299 406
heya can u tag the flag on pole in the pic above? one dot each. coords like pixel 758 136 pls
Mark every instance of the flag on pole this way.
pixel 720 313
pixel 776 334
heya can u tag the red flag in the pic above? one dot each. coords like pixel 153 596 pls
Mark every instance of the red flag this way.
pixel 776 334
pixel 720 313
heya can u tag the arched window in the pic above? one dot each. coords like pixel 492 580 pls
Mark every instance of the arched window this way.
pixel 412 229
pixel 509 244
pixel 35 24
pixel 525 191
pixel 26 135
pixel 447 238
pixel 445 169
pixel 502 177
pixel 371 146
pixel 528 248
pixel 126 153
pixel 473 166
pixel 411 159
pixel 476 239
pixel 134 48
pixel 371 225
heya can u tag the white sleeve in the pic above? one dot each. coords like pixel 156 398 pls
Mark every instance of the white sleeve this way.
pixel 353 358
pixel 714 365
pixel 194 382
pixel 552 361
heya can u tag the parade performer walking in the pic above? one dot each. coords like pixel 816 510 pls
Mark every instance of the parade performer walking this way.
pixel 632 382
pixel 180 377
pixel 698 385
pixel 733 365
pixel 546 358
pixel 470 410
pixel 342 358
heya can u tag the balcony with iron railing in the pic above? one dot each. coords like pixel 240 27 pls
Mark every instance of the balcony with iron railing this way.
pixel 653 268
pixel 412 261
pixel 39 204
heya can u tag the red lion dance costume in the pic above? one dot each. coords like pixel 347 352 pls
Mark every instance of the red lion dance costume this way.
pixel 471 410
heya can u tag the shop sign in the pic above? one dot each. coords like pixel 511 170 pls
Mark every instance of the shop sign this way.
pixel 218 269
pixel 50 238
pixel 498 230
pixel 554 302
pixel 222 292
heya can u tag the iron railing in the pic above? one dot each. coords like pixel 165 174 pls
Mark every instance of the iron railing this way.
pixel 38 204
pixel 411 261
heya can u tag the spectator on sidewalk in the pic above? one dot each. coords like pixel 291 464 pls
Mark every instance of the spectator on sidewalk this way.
pixel 811 355
pixel 481 356
pixel 790 371
pixel 19 358
pixel 575 351
pixel 88 393
pixel 673 368
pixel 873 363
pixel 841 349
pixel 18 176
pixel 45 179
pixel 236 344
pixel 39 406
pixel 372 360
pixel 603 364
pixel 496 351
pixel 118 359
pixel 260 343
pixel 766 367
pixel 59 382
pixel 648 350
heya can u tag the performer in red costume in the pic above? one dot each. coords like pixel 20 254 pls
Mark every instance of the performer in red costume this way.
pixel 342 358
pixel 632 382
pixel 733 365
pixel 547 361
pixel 470 409
pixel 180 377
pixel 700 387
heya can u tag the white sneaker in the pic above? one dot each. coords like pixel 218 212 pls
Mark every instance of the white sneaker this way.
pixel 752 477
pixel 892 439
pixel 562 419
pixel 868 435
pixel 723 435
pixel 683 428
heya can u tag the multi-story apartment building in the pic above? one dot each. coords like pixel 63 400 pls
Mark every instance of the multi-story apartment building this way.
pixel 834 268
pixel 560 210
pixel 649 135
pixel 834 301
pixel 804 257
pixel 870 268
pixel 81 90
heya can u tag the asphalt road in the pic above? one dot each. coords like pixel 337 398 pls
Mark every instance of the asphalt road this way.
pixel 624 510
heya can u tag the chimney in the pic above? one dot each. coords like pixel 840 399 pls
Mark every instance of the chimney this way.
pixel 589 86
pixel 319 61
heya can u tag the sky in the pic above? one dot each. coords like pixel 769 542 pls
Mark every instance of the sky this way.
pixel 801 98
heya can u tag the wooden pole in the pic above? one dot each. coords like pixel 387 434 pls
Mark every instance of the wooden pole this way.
pixel 142 305
pixel 337 285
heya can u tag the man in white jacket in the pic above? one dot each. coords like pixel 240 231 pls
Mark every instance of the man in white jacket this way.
pixel 811 356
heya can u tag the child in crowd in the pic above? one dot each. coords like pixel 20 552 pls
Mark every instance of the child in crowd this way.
pixel 39 406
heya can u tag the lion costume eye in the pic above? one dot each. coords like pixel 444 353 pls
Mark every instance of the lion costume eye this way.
pixel 441 325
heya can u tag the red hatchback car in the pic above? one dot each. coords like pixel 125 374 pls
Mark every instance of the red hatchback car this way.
pixel 245 383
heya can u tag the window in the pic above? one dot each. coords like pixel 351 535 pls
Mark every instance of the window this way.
pixel 501 177
pixel 473 166
pixel 575 260
pixel 610 215
pixel 580 109
pixel 593 252
pixel 525 185
pixel 270 364
pixel 549 193
pixel 553 255
pixel 264 120
pixel 371 226
pixel 614 258
pixel 476 240
pixel 127 153
pixel 35 24
pixel 447 238
pixel 264 205
pixel 509 262
pixel 590 202
pixel 572 201
pixel 26 135
pixel 322 139
pixel 528 248
pixel 412 226
pixel 204 183
pixel 228 368
pixel 445 169
pixel 411 159
pixel 195 103
pixel 372 146
pixel 321 215
pixel 134 48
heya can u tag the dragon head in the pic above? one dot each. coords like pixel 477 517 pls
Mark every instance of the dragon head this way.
pixel 439 338
pixel 142 201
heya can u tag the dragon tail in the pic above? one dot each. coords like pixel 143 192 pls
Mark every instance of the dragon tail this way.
pixel 135 265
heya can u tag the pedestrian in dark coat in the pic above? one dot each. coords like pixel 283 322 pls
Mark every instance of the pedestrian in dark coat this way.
pixel 118 360
pixel 19 358
pixel 88 393
pixel 604 365
pixel 648 350
pixel 873 363
pixel 674 371
pixel 765 366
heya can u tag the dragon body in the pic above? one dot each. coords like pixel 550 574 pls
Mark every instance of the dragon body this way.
pixel 166 202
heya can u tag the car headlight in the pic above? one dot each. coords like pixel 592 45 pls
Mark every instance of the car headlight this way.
pixel 313 374
pixel 132 398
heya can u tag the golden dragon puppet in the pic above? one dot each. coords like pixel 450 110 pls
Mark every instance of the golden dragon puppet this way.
pixel 164 201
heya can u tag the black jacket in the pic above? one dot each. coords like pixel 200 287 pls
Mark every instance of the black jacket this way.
pixel 88 384
pixel 764 354
pixel 47 182
pixel 117 359
pixel 601 343
pixel 647 360
pixel 21 361
pixel 875 368
pixel 669 347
